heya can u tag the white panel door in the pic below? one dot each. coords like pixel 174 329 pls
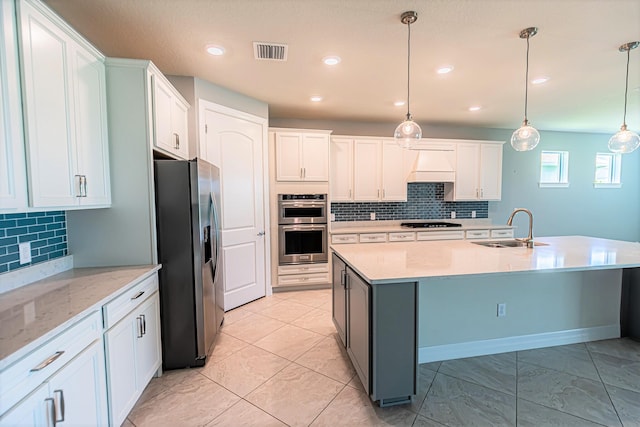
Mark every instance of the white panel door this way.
pixel 148 350
pixel 235 142
pixel 341 181
pixel 288 156
pixel 467 160
pixel 491 171
pixel 394 177
pixel 315 157
pixel 366 170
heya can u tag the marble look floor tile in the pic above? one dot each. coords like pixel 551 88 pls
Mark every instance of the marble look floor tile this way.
pixel 252 328
pixel 434 366
pixel 295 395
pixel 316 320
pixel 127 423
pixel 356 383
pixel 425 378
pixel 225 346
pixel 189 403
pixel 289 341
pixel 312 298
pixel 627 404
pixel 245 414
pixel 460 403
pixel 327 306
pixel 575 395
pixel 573 359
pixel 261 303
pixel 285 311
pixel 497 371
pixel 533 415
pixel 425 422
pixel 354 408
pixel 619 372
pixel 245 370
pixel 625 348
pixel 168 380
pixel 329 358
pixel 234 315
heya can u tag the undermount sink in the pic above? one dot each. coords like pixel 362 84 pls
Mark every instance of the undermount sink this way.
pixel 507 243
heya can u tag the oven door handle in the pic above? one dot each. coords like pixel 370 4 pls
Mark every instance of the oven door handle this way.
pixel 300 227
pixel 302 204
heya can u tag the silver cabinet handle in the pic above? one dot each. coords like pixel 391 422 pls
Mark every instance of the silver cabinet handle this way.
pixel 61 406
pixel 349 193
pixel 378 193
pixel 47 362
pixel 176 141
pixel 343 278
pixel 139 320
pixel 52 411
pixel 138 295
pixel 144 324
pixel 482 193
pixel 301 173
pixel 384 194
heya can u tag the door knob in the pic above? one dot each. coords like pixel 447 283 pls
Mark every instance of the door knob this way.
pixel 262 233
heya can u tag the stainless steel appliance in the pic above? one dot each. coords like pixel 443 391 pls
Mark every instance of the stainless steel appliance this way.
pixel 191 305
pixel 302 229
pixel 430 224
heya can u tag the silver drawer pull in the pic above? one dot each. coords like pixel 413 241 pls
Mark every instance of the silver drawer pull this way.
pixel 47 362
pixel 138 295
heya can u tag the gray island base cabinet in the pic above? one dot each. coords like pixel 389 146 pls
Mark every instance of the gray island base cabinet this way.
pixel 378 326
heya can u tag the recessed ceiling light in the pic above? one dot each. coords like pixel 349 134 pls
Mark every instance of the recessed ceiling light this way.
pixel 316 98
pixel 475 108
pixel 331 60
pixel 399 103
pixel 445 70
pixel 539 80
pixel 215 50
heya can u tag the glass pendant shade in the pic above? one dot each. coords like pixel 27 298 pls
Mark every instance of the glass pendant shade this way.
pixel 407 133
pixel 624 141
pixel 525 138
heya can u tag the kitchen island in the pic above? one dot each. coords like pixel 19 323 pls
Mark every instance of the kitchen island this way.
pixel 397 305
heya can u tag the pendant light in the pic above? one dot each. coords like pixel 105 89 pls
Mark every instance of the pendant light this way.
pixel 526 138
pixel 625 141
pixel 408 133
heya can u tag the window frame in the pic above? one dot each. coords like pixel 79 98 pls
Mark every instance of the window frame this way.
pixel 615 172
pixel 563 170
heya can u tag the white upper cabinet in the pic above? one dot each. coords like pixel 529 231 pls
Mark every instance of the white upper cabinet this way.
pixel 64 98
pixel 302 155
pixel 478 172
pixel 13 177
pixel 394 172
pixel 170 115
pixel 341 165
pixel 366 170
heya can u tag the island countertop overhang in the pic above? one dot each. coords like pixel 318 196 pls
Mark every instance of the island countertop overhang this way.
pixel 381 263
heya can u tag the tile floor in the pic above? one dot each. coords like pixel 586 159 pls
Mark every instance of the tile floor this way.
pixel 278 362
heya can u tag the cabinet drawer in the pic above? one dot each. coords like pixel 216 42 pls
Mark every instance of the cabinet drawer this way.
pixel 303 268
pixel 477 234
pixel 117 308
pixel 344 238
pixel 26 374
pixel 440 235
pixel 402 237
pixel 303 279
pixel 373 237
pixel 502 233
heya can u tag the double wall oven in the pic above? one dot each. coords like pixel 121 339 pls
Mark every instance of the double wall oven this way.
pixel 302 228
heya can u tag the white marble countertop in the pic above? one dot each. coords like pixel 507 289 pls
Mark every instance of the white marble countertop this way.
pixel 402 261
pixel 353 227
pixel 34 313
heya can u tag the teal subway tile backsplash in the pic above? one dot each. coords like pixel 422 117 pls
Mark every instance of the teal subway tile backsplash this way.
pixel 424 201
pixel 47 232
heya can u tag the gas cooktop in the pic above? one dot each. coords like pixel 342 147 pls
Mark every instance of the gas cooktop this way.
pixel 430 224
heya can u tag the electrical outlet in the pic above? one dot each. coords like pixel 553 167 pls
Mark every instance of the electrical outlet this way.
pixel 473 214
pixel 453 214
pixel 25 252
pixel 373 216
pixel 502 310
pixel 333 217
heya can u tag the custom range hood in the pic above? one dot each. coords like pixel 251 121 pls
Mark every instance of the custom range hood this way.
pixel 433 163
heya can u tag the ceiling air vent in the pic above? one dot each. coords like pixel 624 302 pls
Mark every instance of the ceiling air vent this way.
pixel 270 51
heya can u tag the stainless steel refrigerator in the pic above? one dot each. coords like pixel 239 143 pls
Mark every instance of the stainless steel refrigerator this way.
pixel 188 231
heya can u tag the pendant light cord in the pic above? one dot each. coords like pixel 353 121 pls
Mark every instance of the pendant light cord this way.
pixel 526 83
pixel 409 68
pixel 626 88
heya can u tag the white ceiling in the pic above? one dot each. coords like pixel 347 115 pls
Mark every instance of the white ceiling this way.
pixel 576 47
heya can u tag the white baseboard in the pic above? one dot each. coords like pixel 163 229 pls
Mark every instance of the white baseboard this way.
pixel 522 342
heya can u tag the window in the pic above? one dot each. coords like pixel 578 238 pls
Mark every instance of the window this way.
pixel 554 169
pixel 607 170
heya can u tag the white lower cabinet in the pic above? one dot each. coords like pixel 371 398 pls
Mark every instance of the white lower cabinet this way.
pixel 303 274
pixel 133 356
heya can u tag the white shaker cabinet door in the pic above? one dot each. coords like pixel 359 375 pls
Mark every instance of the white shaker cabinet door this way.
pixel 315 157
pixel 289 156
pixel 162 104
pixel 491 171
pixel 341 182
pixel 49 122
pixel 394 174
pixel 148 351
pixel 33 410
pixel 179 126
pixel 466 185
pixel 366 170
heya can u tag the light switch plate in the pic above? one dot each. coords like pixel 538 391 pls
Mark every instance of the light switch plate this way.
pixel 25 252
pixel 373 216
